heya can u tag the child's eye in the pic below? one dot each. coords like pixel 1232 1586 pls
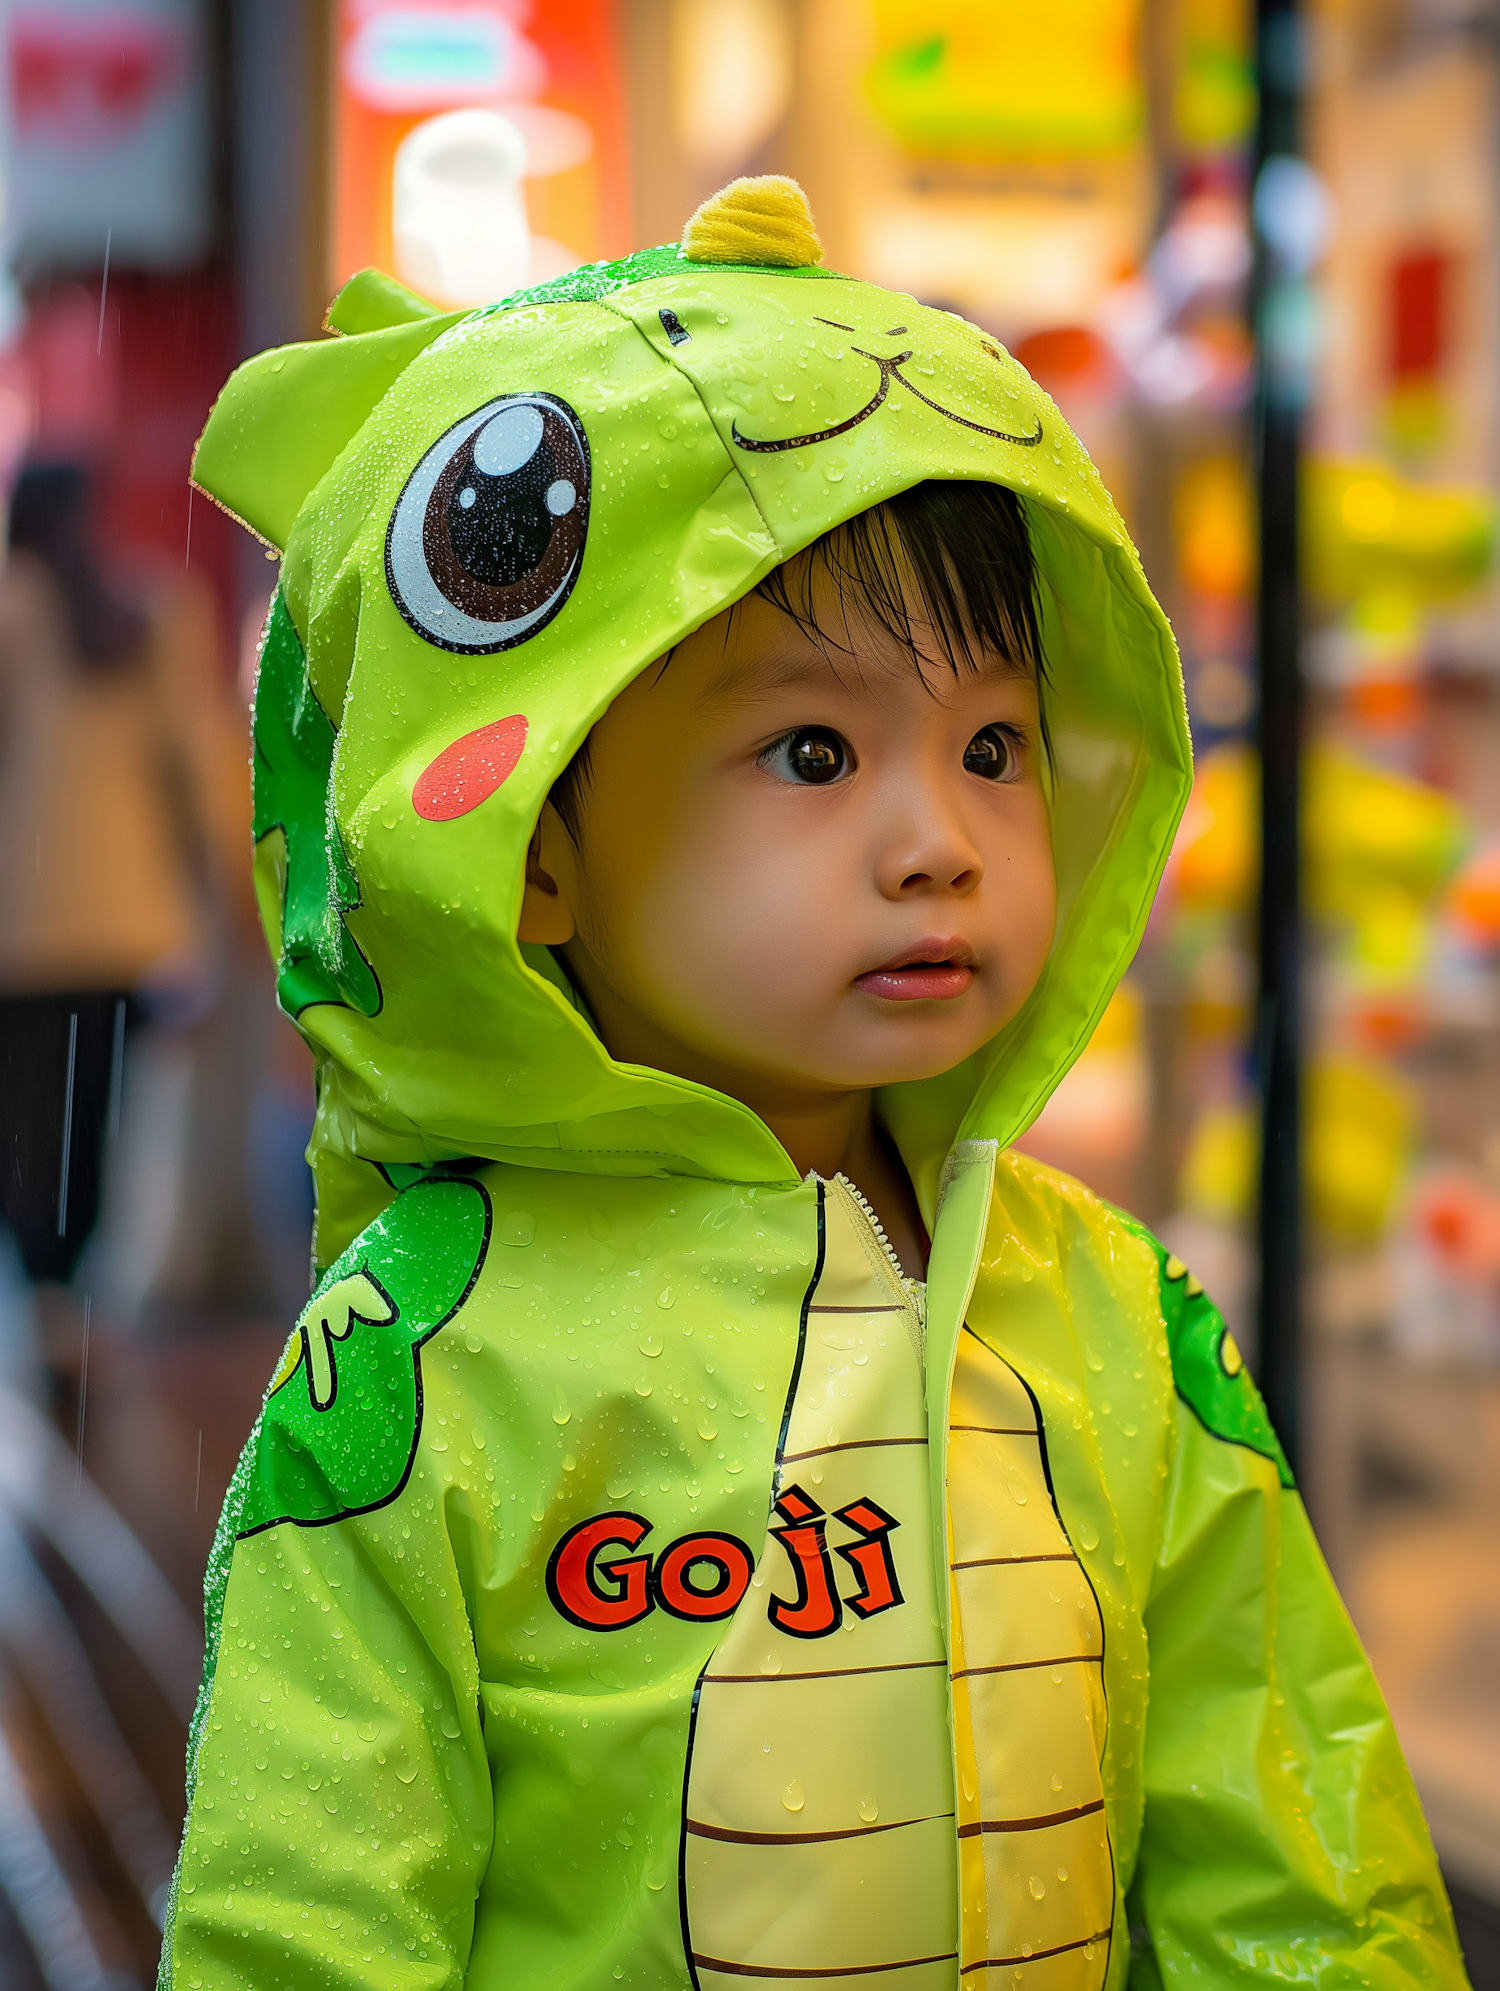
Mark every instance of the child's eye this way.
pixel 992 754
pixel 810 757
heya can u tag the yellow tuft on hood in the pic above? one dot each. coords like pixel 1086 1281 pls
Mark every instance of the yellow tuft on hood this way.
pixel 765 220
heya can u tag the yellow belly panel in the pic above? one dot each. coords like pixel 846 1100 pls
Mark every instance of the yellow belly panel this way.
pixel 1062 1770
pixel 823 1838
pixel 819 1836
pixel 1035 1867
pixel 859 1914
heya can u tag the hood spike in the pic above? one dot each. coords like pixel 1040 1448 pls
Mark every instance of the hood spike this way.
pixel 764 220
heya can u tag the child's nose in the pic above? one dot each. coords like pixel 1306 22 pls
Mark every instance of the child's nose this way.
pixel 935 856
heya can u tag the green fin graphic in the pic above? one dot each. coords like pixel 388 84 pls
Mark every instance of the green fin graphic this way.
pixel 1207 1366
pixel 311 883
pixel 596 281
pixel 338 1432
pixel 342 1416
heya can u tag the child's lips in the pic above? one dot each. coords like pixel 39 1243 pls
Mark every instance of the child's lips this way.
pixel 932 971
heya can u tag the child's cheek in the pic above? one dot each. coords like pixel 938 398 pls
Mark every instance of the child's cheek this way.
pixel 741 928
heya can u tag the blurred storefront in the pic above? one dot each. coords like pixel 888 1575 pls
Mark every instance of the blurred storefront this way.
pixel 132 1007
pixel 1401 656
pixel 190 180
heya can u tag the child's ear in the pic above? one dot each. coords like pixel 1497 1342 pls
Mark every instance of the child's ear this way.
pixel 546 917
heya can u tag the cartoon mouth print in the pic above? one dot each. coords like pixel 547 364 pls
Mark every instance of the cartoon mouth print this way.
pixel 890 369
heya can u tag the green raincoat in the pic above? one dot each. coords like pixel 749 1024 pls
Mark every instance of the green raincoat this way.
pixel 631 1578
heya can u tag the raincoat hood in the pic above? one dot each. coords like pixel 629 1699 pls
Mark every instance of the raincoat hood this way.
pixel 491 522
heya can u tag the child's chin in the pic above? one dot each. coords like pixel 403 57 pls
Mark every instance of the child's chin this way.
pixel 903 1068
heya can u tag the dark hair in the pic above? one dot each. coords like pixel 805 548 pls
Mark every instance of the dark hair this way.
pixel 962 549
pixel 49 519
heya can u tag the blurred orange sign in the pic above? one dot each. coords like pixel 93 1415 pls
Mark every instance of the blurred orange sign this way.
pixel 547 155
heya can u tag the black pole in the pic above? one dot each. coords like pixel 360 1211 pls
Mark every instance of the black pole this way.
pixel 1280 393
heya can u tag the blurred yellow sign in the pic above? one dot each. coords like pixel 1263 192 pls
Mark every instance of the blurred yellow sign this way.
pixel 1215 97
pixel 984 79
pixel 1364 527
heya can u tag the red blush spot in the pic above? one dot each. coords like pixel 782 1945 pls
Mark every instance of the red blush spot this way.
pixel 469 772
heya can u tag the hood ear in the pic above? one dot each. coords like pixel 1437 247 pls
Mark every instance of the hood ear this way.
pixel 373 302
pixel 285 415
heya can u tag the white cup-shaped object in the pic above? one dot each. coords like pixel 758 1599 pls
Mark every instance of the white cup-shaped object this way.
pixel 458 213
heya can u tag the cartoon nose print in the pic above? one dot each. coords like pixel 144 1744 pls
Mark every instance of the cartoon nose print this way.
pixel 487 537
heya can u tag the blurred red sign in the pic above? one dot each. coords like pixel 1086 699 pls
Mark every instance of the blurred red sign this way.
pixel 91 78
pixel 108 132
pixel 1419 283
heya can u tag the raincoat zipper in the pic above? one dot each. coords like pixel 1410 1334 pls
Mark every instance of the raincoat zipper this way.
pixel 914 1290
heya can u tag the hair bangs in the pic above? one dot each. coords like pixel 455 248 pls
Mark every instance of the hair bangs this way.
pixel 945 566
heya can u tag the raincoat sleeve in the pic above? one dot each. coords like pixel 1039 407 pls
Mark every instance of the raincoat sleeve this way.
pixel 340 1812
pixel 1283 1840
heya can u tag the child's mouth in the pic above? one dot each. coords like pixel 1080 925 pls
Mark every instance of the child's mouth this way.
pixel 932 971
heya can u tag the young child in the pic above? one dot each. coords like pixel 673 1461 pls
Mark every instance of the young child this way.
pixel 714 753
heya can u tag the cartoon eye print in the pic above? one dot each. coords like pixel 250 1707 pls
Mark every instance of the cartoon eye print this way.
pixel 487 536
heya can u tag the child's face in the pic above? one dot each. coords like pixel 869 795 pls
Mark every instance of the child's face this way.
pixel 803 873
